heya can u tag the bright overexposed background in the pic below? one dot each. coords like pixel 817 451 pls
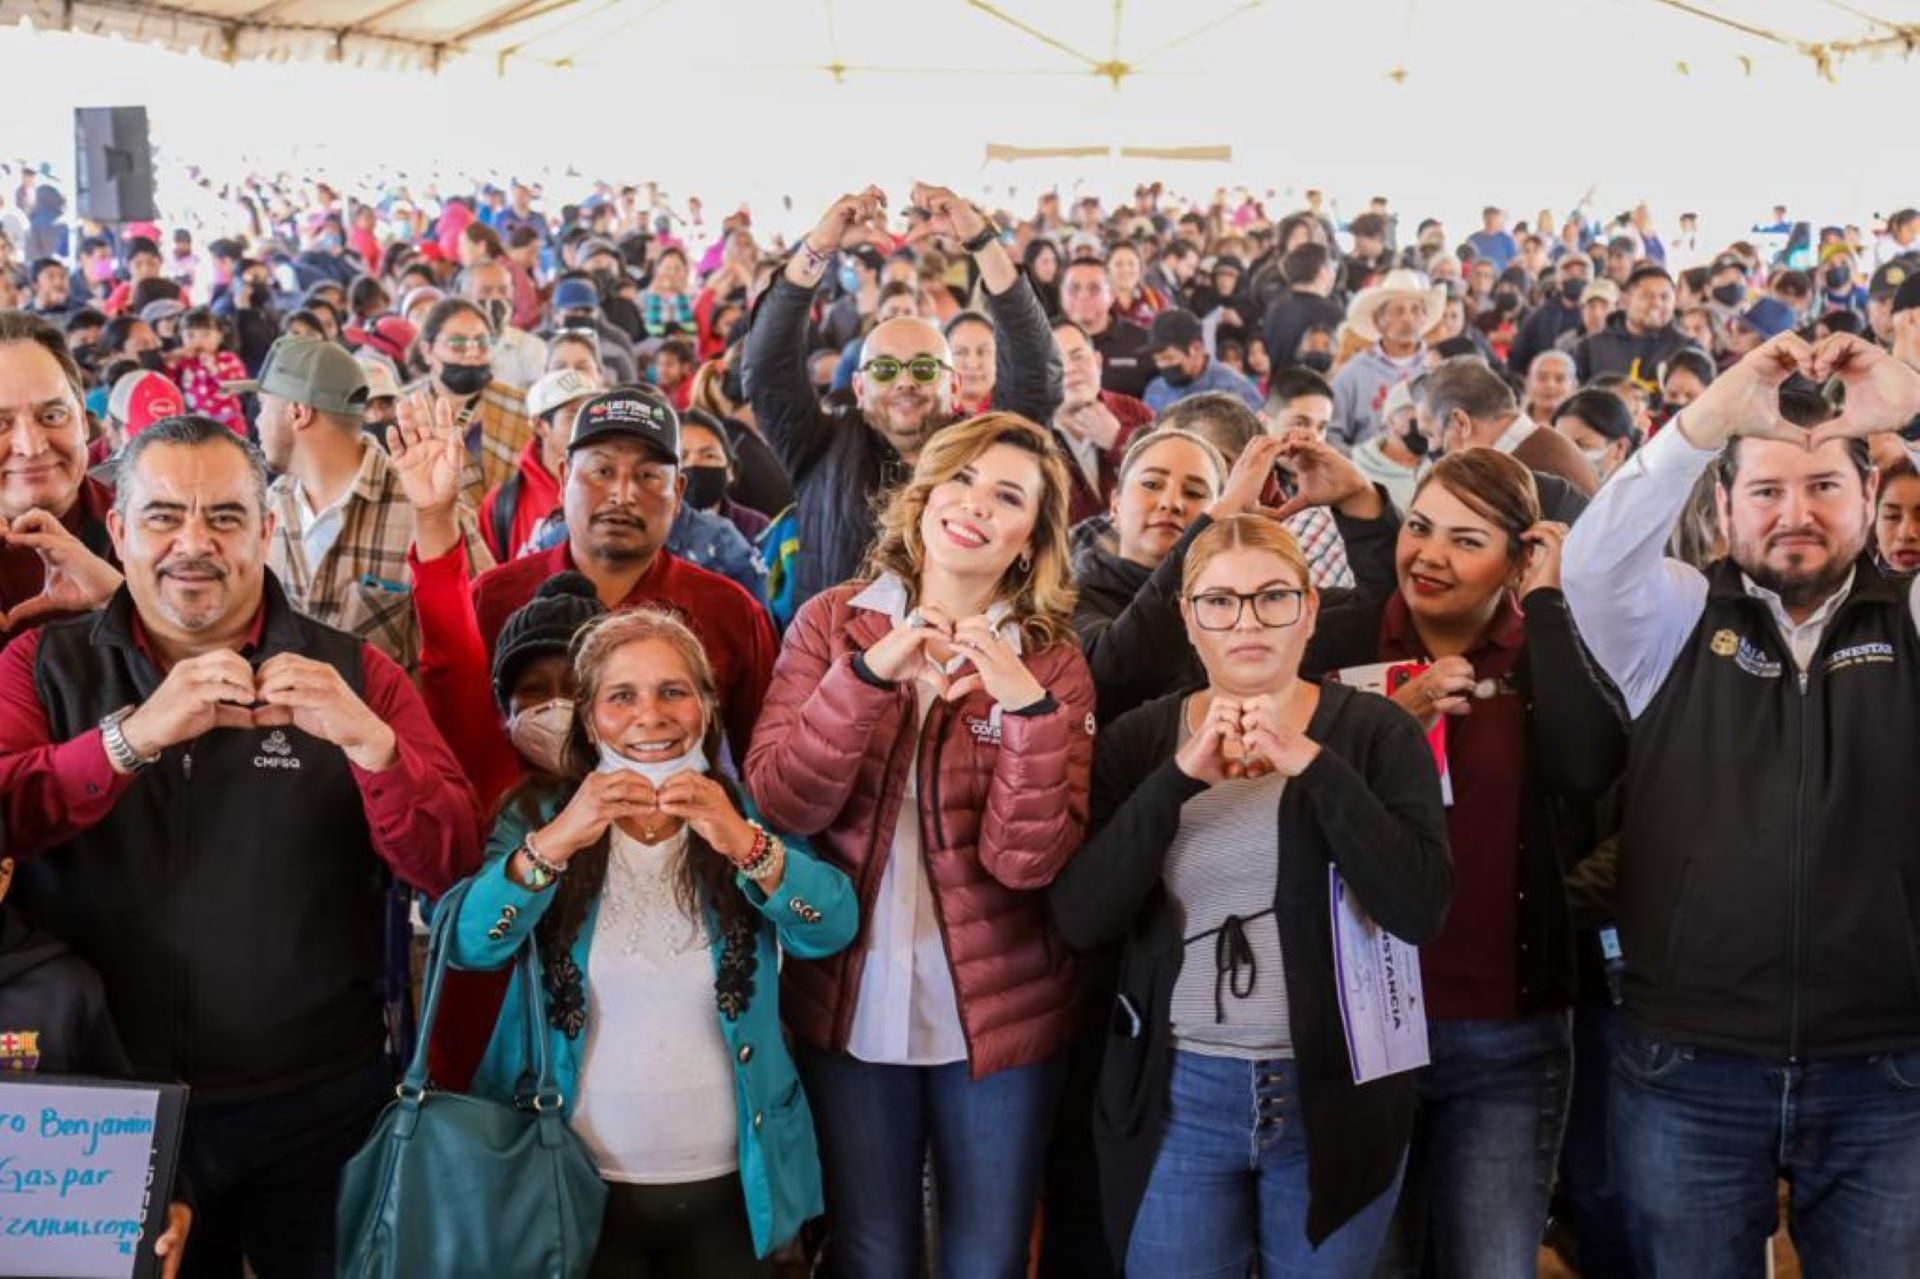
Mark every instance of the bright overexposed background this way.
pixel 1441 105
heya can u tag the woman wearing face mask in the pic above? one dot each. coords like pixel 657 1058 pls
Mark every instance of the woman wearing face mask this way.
pixel 456 345
pixel 1600 425
pixel 707 460
pixel 1393 457
pixel 1530 740
pixel 930 726
pixel 1172 486
pixel 1226 1118
pixel 660 910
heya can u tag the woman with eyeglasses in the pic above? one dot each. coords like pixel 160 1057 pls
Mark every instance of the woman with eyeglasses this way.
pixel 1529 740
pixel 1226 1117
pixel 456 346
pixel 1173 486
pixel 930 729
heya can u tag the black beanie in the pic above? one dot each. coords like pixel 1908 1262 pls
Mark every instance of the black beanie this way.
pixel 545 624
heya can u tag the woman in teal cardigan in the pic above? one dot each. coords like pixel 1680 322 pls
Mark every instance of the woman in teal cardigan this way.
pixel 660 908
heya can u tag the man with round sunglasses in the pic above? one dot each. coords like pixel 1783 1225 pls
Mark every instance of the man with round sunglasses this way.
pixel 905 388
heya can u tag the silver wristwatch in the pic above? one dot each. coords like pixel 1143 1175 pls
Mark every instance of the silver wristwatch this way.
pixel 120 751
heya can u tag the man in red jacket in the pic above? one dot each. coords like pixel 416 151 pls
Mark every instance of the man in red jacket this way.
pixel 208 792
pixel 620 486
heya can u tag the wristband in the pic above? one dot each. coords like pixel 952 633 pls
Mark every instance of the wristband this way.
pixel 766 849
pixel 980 240
pixel 816 262
pixel 552 870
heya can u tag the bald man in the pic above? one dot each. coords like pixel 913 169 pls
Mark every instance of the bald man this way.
pixel 905 388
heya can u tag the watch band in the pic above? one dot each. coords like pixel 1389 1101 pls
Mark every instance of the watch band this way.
pixel 120 751
pixel 985 236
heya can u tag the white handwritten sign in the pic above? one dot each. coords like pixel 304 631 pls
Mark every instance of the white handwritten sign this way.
pixel 80 1188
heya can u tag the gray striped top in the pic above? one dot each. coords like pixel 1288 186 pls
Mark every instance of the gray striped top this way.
pixel 1225 860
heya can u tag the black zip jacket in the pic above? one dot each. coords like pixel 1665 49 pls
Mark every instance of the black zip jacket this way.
pixel 1369 804
pixel 837 462
pixel 232 901
pixel 1769 877
pixel 1576 749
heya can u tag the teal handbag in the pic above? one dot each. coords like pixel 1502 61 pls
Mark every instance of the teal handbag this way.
pixel 451 1185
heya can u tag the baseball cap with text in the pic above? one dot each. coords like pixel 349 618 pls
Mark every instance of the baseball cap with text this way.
pixel 629 412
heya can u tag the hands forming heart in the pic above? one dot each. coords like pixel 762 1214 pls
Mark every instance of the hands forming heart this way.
pixel 76 580
pixel 926 642
pixel 221 690
pixel 1882 394
pixel 1245 738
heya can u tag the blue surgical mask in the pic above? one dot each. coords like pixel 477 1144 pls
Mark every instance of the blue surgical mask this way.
pixel 612 761
pixel 849 278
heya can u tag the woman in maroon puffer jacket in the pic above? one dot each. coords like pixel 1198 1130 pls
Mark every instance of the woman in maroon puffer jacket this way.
pixel 930 728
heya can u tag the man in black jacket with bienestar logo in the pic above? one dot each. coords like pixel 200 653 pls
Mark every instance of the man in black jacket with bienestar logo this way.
pixel 1769 881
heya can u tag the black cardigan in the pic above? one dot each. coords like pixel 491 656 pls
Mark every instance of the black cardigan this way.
pixel 1576 751
pixel 1370 804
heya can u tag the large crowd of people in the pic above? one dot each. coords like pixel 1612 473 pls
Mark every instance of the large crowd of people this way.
pixel 950 702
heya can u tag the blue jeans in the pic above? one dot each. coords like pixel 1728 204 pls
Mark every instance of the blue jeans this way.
pixel 1230 1182
pixel 1701 1140
pixel 989 1140
pixel 1493 1104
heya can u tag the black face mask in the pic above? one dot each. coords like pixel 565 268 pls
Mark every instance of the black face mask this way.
pixel 497 314
pixel 1176 377
pixel 579 320
pixel 1506 302
pixel 1417 443
pixel 1570 291
pixel 154 360
pixel 706 486
pixel 1838 277
pixel 1729 294
pixel 258 295
pixel 466 379
pixel 1318 361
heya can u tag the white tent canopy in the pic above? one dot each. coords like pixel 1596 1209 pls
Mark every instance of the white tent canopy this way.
pixel 1723 106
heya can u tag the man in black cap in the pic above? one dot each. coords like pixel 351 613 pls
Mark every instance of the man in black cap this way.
pixel 1640 337
pixel 620 489
pixel 1881 291
pixel 1177 344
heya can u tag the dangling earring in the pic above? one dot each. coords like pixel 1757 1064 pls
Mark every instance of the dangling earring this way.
pixel 1026 562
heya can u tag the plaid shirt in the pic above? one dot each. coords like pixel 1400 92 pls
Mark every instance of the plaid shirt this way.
pixel 362 584
pixel 497 430
pixel 1319 539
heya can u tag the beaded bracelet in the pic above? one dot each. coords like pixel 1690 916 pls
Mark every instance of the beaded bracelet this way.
pixel 765 849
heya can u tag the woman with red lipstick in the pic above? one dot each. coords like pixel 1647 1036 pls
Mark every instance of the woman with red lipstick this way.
pixel 930 728
pixel 1227 1121
pixel 1529 740
pixel 1896 520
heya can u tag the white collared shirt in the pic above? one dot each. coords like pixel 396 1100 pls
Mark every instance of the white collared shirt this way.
pixel 906 1012
pixel 1516 433
pixel 319 530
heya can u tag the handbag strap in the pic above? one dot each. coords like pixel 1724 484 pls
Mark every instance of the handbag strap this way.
pixel 446 918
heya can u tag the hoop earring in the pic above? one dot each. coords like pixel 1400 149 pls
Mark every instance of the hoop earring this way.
pixel 1026 563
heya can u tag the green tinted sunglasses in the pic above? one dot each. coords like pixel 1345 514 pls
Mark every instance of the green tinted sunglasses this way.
pixel 924 369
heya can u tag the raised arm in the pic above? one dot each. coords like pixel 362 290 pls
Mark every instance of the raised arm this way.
pixel 774 364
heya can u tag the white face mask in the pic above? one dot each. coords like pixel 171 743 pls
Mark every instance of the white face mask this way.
pixel 539 733
pixel 1598 457
pixel 612 761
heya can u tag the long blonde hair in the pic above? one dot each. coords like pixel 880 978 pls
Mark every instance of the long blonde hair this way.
pixel 1041 592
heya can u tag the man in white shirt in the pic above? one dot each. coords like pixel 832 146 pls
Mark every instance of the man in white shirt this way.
pixel 1768 867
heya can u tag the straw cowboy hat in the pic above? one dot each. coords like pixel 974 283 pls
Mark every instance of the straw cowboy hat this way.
pixel 1401 282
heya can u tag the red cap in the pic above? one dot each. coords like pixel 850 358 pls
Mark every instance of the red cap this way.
pixel 140 399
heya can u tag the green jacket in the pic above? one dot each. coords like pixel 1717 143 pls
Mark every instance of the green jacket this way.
pixel 813 913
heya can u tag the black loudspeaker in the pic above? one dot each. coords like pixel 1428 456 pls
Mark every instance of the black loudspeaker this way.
pixel 113 162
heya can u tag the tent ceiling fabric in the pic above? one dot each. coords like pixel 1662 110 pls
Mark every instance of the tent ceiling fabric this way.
pixel 1112 40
